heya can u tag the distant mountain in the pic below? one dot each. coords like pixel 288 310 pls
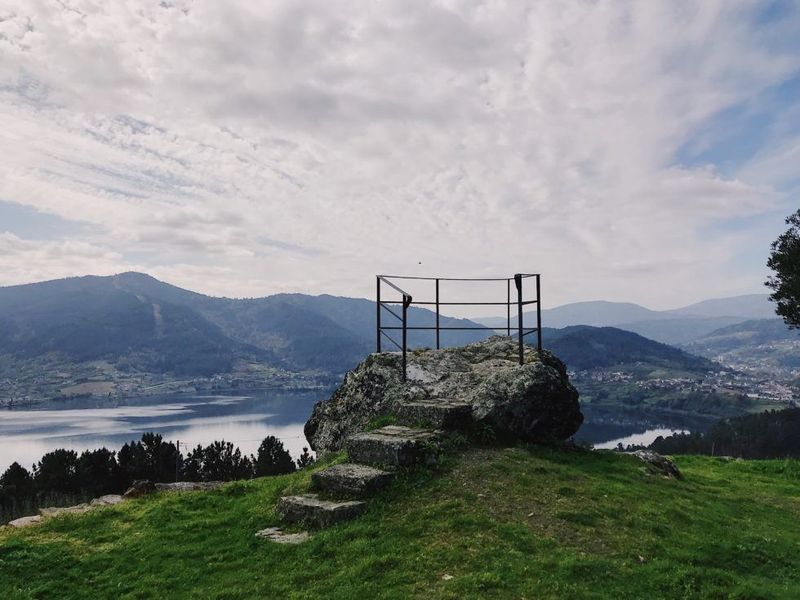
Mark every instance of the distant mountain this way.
pixel 677 331
pixel 141 323
pixel 676 326
pixel 93 318
pixel 763 343
pixel 750 306
pixel 598 314
pixel 584 347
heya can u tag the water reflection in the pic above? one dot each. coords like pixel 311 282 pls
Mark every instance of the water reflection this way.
pixel 605 427
pixel 81 424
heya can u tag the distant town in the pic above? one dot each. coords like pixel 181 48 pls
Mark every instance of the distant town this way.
pixel 32 382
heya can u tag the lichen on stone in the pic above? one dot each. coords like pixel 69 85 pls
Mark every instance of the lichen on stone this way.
pixel 530 402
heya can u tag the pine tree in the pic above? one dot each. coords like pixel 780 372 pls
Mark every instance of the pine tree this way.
pixel 305 460
pixel 273 458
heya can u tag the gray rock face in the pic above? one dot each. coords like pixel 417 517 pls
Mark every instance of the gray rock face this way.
pixel 188 486
pixel 658 464
pixel 351 480
pixel 25 521
pixel 391 445
pixel 140 487
pixel 143 487
pixel 107 500
pixel 530 402
pixel 52 511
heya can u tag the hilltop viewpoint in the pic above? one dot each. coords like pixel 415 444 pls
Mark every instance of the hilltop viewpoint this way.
pixel 457 483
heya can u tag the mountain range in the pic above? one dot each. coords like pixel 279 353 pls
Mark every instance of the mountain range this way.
pixel 154 326
pixel 677 326
pixel 139 324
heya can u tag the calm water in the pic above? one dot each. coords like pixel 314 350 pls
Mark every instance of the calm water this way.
pixel 606 427
pixel 80 424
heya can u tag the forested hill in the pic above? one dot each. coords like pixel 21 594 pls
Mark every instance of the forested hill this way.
pixel 583 347
pixel 141 323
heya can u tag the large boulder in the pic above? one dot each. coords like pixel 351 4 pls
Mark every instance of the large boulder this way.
pixel 530 402
pixel 657 464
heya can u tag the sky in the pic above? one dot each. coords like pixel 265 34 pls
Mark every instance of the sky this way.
pixel 629 151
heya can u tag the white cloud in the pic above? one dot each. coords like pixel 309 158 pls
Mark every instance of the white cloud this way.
pixel 307 146
pixel 23 261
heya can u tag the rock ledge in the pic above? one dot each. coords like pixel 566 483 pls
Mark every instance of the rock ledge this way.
pixel 530 402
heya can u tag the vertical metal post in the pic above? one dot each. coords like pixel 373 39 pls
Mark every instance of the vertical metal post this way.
pixel 437 313
pixel 539 313
pixel 378 316
pixel 406 302
pixel 518 284
pixel 508 307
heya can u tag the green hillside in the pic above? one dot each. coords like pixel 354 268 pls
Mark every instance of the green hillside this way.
pixel 495 523
pixel 760 343
pixel 93 322
pixel 584 347
pixel 149 325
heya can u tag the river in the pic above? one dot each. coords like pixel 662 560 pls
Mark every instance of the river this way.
pixel 80 424
pixel 88 423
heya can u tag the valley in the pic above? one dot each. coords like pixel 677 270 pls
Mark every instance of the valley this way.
pixel 132 335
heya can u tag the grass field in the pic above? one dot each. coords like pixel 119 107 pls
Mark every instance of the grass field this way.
pixel 492 523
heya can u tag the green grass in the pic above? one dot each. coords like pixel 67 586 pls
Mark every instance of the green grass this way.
pixel 494 523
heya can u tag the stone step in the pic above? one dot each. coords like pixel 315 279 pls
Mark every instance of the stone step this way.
pixel 315 512
pixel 276 535
pixel 441 413
pixel 351 479
pixel 391 445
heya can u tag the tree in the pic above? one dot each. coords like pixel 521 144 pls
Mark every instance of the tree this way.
pixel 273 458
pixel 132 462
pixel 16 483
pixel 222 461
pixel 56 472
pixel 163 458
pixel 784 260
pixel 193 465
pixel 152 458
pixel 98 473
pixel 305 460
pixel 17 492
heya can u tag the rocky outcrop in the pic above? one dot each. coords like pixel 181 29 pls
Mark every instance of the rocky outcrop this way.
pixel 55 511
pixel 139 487
pixel 25 521
pixel 657 464
pixel 142 487
pixel 188 486
pixel 529 402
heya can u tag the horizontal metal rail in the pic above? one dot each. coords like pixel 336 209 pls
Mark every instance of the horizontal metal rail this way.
pixel 407 301
pixel 524 275
pixel 434 303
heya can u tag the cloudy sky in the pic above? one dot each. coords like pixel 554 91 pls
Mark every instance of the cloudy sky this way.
pixel 639 151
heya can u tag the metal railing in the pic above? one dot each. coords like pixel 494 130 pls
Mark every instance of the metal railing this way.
pixel 406 300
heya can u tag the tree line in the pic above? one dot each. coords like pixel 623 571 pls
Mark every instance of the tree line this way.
pixel 770 434
pixel 63 477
